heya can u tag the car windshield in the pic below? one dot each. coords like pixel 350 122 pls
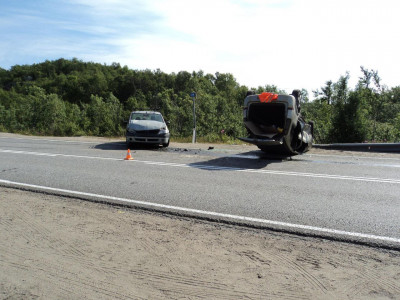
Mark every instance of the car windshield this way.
pixel 146 116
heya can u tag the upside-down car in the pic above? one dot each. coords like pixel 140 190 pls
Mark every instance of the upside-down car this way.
pixel 275 125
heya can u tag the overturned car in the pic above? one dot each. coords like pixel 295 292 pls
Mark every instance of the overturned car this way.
pixel 275 125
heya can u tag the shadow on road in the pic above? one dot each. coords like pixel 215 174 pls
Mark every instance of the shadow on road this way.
pixel 247 160
pixel 218 161
pixel 112 146
pixel 123 146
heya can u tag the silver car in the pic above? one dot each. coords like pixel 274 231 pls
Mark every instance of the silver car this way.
pixel 147 127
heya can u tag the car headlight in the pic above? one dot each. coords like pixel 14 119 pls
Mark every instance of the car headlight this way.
pixel 130 130
pixel 164 129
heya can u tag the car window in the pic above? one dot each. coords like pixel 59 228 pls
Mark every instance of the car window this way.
pixel 146 116
pixel 136 116
pixel 156 117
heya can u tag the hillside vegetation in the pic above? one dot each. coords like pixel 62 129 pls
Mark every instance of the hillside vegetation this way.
pixel 72 97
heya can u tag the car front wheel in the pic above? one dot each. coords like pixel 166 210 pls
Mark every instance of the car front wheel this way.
pixel 165 144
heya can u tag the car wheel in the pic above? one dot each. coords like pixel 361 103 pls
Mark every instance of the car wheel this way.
pixel 165 144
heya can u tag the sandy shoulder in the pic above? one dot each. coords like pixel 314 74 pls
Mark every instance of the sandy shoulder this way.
pixel 63 248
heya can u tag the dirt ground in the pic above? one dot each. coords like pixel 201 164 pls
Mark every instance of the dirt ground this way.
pixel 64 248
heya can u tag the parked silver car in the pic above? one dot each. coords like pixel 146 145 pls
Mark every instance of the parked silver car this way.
pixel 147 127
pixel 275 125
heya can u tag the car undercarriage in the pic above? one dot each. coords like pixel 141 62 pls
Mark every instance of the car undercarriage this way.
pixel 275 125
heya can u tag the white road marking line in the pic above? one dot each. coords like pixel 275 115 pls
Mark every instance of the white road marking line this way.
pixel 234 155
pixel 328 176
pixel 219 168
pixel 47 140
pixel 210 213
pixel 57 154
pixel 350 156
pixel 97 142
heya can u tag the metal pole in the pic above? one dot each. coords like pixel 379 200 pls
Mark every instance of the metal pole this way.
pixel 194 118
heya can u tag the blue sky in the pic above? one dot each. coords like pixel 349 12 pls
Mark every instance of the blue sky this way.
pixel 289 43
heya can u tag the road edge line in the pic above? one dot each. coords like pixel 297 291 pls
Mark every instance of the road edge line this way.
pixel 278 226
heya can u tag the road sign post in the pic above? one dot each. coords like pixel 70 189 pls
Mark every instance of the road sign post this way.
pixel 193 95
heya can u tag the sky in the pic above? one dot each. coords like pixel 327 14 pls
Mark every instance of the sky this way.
pixel 292 44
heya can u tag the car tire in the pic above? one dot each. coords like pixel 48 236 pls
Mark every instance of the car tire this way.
pixel 165 145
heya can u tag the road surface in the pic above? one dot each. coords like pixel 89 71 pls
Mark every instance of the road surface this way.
pixel 347 196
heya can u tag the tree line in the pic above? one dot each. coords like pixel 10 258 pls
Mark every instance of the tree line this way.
pixel 368 113
pixel 72 97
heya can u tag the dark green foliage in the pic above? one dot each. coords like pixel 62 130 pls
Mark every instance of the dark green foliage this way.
pixel 349 124
pixel 321 114
pixel 370 113
pixel 71 97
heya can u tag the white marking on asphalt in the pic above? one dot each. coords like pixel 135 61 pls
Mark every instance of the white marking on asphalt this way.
pixel 350 156
pixel 216 150
pixel 218 168
pixel 210 213
pixel 48 140
pixel 57 154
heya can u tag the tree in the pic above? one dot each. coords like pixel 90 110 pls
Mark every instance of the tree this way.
pixel 349 123
pixel 69 97
pixel 325 95
pixel 369 87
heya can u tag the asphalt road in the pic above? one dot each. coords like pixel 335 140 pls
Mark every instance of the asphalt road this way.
pixel 353 197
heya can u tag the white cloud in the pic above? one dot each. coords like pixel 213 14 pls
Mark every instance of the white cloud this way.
pixel 292 44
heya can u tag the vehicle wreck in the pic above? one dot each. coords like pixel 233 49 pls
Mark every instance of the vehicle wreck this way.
pixel 147 127
pixel 275 125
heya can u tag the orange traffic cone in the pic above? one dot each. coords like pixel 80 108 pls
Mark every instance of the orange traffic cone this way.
pixel 128 156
